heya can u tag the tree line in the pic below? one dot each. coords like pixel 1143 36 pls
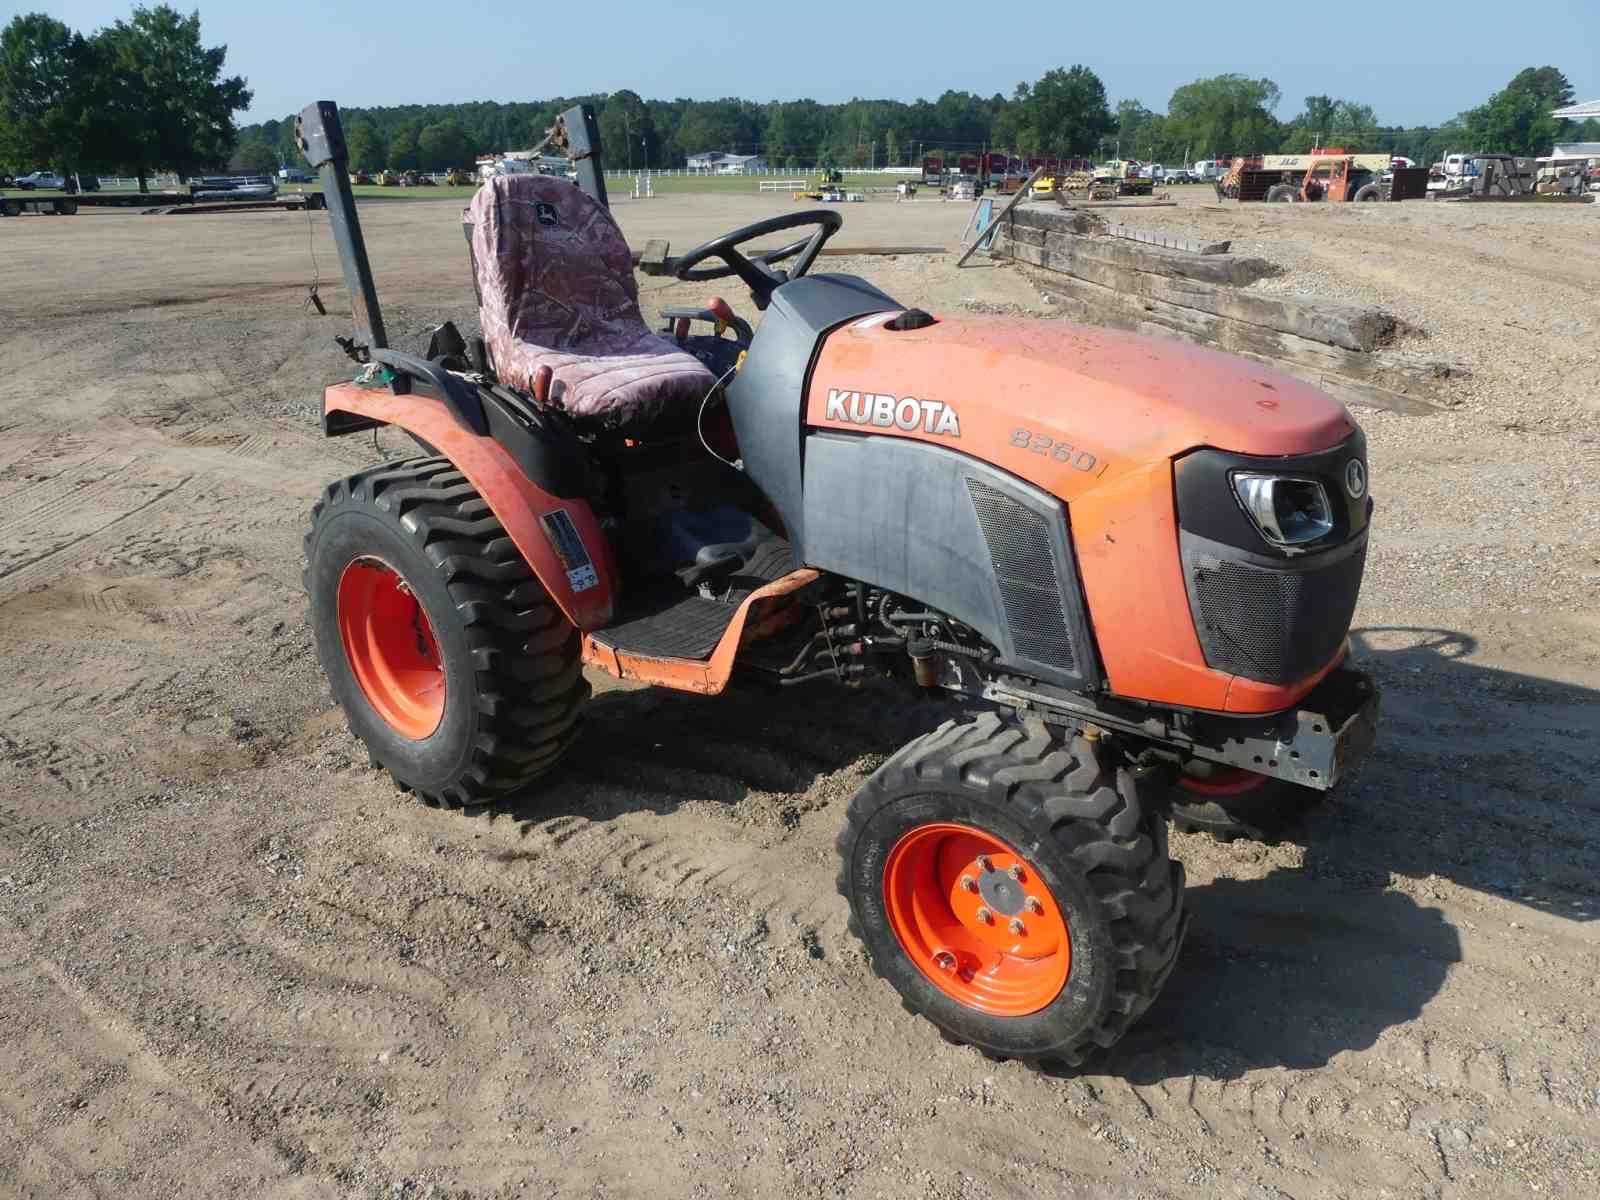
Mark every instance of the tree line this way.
pixel 146 94
pixel 1066 112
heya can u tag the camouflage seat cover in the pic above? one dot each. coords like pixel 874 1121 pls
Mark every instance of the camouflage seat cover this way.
pixel 556 289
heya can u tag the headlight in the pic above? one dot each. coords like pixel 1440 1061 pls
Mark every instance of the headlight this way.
pixel 1287 511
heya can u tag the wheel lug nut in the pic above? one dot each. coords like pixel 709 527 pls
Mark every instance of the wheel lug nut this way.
pixel 1016 926
pixel 968 884
pixel 945 961
pixel 984 863
pixel 984 915
pixel 1015 873
pixel 1032 904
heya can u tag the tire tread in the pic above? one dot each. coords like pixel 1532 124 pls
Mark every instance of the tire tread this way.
pixel 1093 811
pixel 525 653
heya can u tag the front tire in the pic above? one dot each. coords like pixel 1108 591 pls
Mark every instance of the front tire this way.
pixel 450 660
pixel 1013 888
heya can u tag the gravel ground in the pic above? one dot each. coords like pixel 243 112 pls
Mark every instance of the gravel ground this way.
pixel 236 962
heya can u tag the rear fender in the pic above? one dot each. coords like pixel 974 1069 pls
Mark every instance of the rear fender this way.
pixel 584 591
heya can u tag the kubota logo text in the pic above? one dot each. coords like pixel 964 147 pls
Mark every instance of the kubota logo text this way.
pixel 908 413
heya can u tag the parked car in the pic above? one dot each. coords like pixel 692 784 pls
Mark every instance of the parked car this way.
pixel 40 179
pixel 295 175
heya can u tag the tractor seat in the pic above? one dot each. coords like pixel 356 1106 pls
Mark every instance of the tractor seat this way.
pixel 556 289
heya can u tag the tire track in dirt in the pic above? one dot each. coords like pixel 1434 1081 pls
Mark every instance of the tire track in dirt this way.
pixel 102 1062
pixel 58 490
pixel 34 1167
pixel 15 448
pixel 32 571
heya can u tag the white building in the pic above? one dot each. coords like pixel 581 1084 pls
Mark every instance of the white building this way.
pixel 718 162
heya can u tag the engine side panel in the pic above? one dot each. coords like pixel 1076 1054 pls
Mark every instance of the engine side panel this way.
pixel 955 534
pixel 767 397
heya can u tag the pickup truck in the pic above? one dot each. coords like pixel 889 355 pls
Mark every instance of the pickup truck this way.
pixel 40 179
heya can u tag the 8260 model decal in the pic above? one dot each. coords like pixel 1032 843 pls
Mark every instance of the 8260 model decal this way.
pixel 1062 452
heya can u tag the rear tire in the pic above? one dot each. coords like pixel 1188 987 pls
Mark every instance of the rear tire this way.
pixel 411 578
pixel 1088 851
pixel 10 208
pixel 1369 191
pixel 1281 193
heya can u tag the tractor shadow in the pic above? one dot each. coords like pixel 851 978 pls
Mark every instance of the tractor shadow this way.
pixel 653 750
pixel 1481 778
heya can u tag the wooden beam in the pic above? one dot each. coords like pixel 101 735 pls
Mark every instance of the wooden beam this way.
pixel 1230 269
pixel 1104 262
pixel 1166 240
pixel 653 260
pixel 1076 204
pixel 1375 380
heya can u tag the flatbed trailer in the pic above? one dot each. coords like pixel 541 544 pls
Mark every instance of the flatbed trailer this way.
pixel 168 199
pixel 60 206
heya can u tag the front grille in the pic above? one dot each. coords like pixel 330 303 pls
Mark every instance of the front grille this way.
pixel 1019 547
pixel 1273 624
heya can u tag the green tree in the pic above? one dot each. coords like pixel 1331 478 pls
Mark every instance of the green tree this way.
pixel 1132 117
pixel 162 100
pixel 444 145
pixel 775 143
pixel 730 125
pixel 44 69
pixel 1225 115
pixel 1549 86
pixel 1516 119
pixel 891 148
pixel 1329 122
pixel 253 156
pixel 1065 112
pixel 627 132
pixel 366 146
pixel 404 154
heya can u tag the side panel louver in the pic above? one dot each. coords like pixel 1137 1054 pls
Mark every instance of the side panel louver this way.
pixel 1019 547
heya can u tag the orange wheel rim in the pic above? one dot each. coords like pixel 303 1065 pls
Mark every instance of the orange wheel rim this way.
pixel 977 919
pixel 390 647
pixel 1233 781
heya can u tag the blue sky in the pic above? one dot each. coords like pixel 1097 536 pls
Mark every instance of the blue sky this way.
pixel 1416 63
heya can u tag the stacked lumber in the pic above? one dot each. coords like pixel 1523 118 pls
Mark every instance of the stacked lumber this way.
pixel 1200 293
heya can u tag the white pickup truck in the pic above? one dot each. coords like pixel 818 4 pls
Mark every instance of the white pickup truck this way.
pixel 44 180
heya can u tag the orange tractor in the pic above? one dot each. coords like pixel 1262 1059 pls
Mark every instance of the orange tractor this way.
pixel 1137 559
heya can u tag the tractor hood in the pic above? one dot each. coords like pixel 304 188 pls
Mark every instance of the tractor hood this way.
pixel 1065 406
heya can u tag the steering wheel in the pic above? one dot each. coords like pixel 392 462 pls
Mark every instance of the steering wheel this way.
pixel 758 273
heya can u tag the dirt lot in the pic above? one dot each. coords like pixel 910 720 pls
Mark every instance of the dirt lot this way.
pixel 236 962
